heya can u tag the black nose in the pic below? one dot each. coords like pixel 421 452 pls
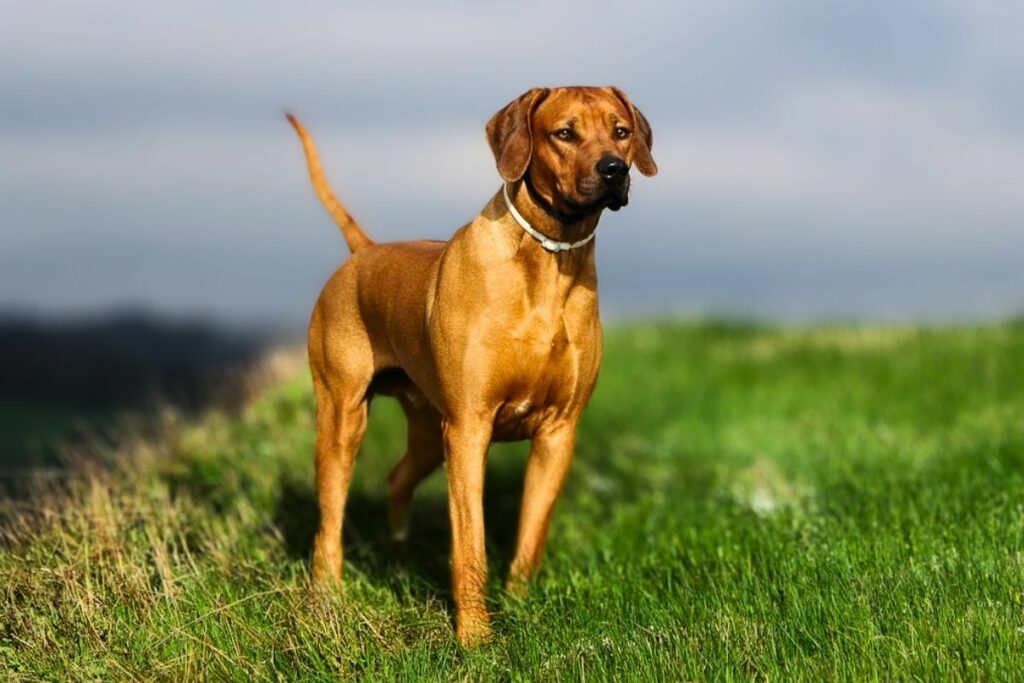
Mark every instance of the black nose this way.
pixel 612 168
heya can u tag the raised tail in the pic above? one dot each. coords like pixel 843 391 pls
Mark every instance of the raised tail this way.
pixel 354 235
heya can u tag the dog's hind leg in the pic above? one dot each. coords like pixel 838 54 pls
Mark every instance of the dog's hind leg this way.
pixel 340 426
pixel 423 453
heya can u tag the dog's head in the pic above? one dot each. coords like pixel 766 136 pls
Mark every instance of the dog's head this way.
pixel 573 146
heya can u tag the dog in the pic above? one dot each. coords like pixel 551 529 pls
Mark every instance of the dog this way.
pixel 493 335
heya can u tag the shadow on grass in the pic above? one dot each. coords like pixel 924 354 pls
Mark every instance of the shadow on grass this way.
pixel 420 564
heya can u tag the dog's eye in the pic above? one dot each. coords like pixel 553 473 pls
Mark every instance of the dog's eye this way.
pixel 565 134
pixel 621 132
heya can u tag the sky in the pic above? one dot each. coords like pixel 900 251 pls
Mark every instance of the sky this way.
pixel 818 160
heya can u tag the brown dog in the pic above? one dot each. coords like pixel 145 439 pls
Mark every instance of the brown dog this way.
pixel 491 336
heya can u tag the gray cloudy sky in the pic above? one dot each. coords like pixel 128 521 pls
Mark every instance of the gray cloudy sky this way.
pixel 818 160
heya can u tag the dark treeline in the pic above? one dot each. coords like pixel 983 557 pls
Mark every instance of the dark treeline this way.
pixel 56 375
pixel 117 361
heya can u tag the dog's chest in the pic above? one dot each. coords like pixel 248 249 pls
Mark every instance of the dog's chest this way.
pixel 549 373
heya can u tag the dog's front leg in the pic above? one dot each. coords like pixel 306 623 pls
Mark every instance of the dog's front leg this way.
pixel 550 457
pixel 465 445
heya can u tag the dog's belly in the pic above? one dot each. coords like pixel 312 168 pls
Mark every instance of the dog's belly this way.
pixel 518 420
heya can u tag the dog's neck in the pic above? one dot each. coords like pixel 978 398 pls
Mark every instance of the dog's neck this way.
pixel 554 231
pixel 550 277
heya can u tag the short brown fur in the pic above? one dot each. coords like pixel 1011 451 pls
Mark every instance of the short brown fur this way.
pixel 483 338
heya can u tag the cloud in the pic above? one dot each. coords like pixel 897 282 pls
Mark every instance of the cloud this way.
pixel 879 141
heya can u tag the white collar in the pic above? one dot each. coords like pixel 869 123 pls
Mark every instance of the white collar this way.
pixel 554 246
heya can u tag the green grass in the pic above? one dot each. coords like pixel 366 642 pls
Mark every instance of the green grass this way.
pixel 746 502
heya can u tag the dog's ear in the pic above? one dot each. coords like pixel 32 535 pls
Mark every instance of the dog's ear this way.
pixel 510 136
pixel 642 138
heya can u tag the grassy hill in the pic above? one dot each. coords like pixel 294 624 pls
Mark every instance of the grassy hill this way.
pixel 746 502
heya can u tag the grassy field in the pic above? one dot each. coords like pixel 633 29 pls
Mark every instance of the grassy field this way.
pixel 746 502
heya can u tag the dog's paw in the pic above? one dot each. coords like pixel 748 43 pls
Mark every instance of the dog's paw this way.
pixel 473 630
pixel 400 533
pixel 517 586
pixel 327 562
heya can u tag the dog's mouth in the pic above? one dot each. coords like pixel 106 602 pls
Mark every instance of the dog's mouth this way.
pixel 613 196
pixel 590 196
